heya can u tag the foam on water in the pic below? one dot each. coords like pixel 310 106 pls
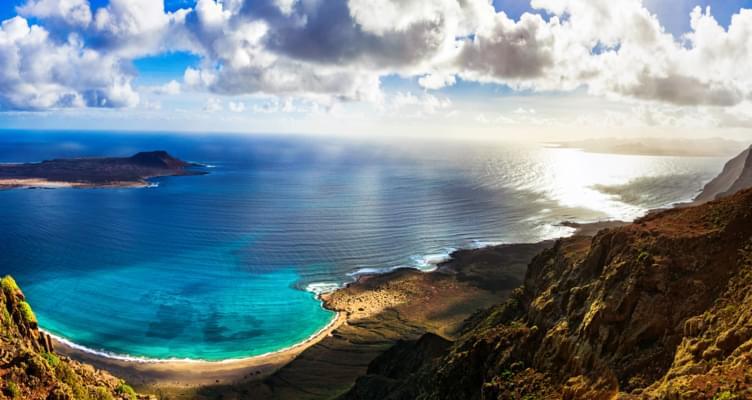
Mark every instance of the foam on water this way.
pixel 430 262
pixel 481 244
pixel 319 288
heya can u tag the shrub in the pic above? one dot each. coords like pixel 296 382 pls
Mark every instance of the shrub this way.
pixel 7 319
pixel 726 395
pixel 36 366
pixel 12 390
pixel 61 392
pixel 124 389
pixel 27 313
pixel 9 285
pixel 52 359
pixel 100 393
pixel 644 257
pixel 69 377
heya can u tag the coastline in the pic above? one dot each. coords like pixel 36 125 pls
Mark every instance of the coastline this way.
pixel 38 183
pixel 395 304
pixel 191 373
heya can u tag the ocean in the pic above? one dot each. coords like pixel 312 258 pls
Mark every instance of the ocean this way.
pixel 226 265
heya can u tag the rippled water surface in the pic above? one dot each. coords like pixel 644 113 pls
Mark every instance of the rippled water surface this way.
pixel 217 266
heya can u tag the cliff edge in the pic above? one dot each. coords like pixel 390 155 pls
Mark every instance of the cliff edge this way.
pixel 29 367
pixel 658 309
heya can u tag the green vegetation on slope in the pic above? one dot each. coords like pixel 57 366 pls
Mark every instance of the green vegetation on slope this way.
pixel 31 370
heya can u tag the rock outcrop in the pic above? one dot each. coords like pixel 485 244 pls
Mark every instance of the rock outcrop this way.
pixel 29 367
pixel 736 176
pixel 659 309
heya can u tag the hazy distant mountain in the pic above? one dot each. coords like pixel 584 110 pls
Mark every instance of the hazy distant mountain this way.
pixel 715 147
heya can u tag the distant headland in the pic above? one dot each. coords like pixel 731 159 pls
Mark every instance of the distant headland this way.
pixel 99 172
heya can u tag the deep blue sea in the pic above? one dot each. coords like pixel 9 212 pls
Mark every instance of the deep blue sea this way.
pixel 226 265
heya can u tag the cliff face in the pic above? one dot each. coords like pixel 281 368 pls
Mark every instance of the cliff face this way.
pixel 29 367
pixel 661 308
pixel 736 176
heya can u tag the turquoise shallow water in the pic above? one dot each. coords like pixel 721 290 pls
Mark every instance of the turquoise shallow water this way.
pixel 223 266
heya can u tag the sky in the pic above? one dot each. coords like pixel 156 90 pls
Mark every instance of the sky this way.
pixel 507 69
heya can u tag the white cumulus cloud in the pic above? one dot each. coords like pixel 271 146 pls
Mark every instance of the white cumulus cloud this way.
pixel 38 73
pixel 339 50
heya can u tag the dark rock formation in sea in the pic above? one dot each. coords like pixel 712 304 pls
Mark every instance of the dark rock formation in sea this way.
pixel 736 175
pixel 102 171
pixel 29 367
pixel 658 309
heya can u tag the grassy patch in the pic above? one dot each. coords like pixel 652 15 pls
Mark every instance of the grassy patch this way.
pixel 9 285
pixel 7 319
pixel 644 257
pixel 11 390
pixel 124 389
pixel 725 395
pixel 27 313
pixel 52 359
pixel 69 377
pixel 100 393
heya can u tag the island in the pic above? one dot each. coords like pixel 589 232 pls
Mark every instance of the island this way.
pixel 96 172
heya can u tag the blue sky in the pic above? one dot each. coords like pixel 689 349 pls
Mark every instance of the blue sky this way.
pixel 364 66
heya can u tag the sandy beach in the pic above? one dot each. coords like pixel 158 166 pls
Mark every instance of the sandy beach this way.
pixel 47 184
pixel 381 310
pixel 160 376
pixel 373 313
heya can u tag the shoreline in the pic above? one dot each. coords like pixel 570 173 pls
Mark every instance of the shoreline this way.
pixel 188 374
pixel 192 373
pixel 69 344
pixel 39 183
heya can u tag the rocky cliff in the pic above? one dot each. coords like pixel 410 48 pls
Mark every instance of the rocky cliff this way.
pixel 736 176
pixel 29 367
pixel 661 308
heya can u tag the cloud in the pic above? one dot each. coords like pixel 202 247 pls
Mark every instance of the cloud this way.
pixel 236 107
pixel 338 50
pixel 623 51
pixel 614 49
pixel 682 90
pixel 66 12
pixel 212 105
pixel 137 28
pixel 170 88
pixel 38 73
pixel 425 103
pixel 508 50
pixel 436 81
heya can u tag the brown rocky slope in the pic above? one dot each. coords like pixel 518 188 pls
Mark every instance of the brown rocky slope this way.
pixel 29 367
pixel 659 309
